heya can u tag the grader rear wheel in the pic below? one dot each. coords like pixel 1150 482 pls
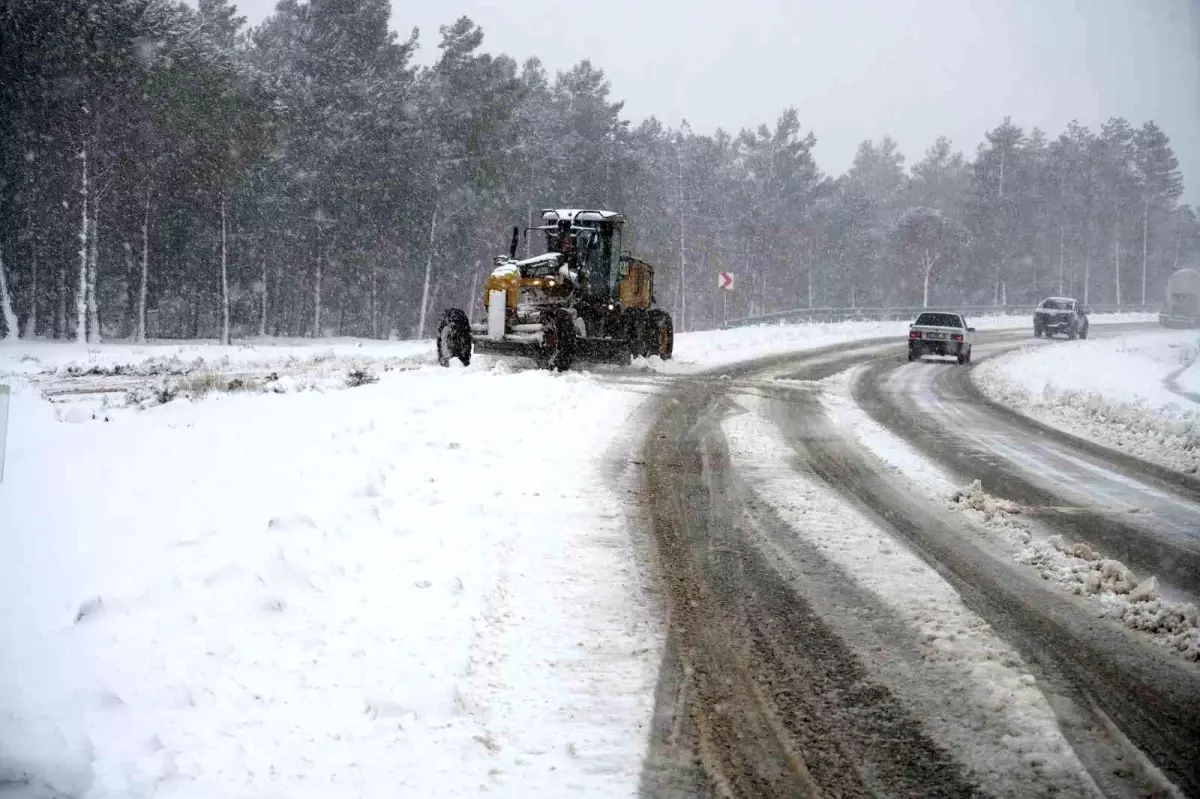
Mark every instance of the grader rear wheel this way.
pixel 660 338
pixel 635 324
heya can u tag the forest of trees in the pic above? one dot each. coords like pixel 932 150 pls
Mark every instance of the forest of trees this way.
pixel 166 171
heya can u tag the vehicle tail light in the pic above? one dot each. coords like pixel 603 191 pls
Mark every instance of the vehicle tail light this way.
pixel 914 334
pixel 957 337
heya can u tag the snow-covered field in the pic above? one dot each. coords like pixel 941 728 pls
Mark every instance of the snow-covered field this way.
pixel 1110 390
pixel 424 586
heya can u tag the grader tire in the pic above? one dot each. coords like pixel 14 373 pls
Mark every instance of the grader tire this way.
pixel 636 323
pixel 454 337
pixel 558 340
pixel 660 339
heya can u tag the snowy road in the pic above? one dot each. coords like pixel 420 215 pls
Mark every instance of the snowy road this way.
pixel 834 630
pixel 1143 516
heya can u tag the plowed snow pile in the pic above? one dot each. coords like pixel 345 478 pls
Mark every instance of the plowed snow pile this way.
pixel 422 586
pixel 1135 602
pixel 1112 391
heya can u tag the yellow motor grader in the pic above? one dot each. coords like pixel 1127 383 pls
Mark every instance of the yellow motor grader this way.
pixel 583 299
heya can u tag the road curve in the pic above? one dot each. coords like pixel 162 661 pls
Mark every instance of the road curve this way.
pixel 760 693
pixel 1141 514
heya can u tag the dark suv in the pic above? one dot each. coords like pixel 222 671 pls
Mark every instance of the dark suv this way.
pixel 1060 315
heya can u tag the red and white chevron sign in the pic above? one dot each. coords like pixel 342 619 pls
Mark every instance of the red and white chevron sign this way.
pixel 725 280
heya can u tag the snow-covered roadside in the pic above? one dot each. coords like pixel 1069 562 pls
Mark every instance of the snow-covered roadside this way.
pixel 31 357
pixel 693 351
pixel 968 688
pixel 1189 378
pixel 419 587
pixel 1109 390
pixel 1074 566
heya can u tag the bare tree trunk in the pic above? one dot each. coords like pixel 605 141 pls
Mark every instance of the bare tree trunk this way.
pixel 1117 257
pixel 131 271
pixel 474 291
pixel 262 318
pixel 810 275
pixel 224 278
pixel 85 220
pixel 31 321
pixel 145 276
pixel 926 268
pixel 1062 252
pixel 374 299
pixel 682 325
pixel 1145 233
pixel 93 303
pixel 1087 274
pixel 60 307
pixel 6 310
pixel 428 272
pixel 1178 244
pixel 317 292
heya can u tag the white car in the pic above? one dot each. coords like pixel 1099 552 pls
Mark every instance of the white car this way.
pixel 937 333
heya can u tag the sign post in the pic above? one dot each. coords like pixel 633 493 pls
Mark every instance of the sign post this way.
pixel 4 394
pixel 725 283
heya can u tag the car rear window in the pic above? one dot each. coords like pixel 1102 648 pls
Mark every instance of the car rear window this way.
pixel 939 320
pixel 1058 305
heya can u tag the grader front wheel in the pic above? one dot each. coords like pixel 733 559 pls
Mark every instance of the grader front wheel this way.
pixel 454 337
pixel 558 340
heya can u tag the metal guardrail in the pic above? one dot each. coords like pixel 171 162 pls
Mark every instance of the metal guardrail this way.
pixel 909 312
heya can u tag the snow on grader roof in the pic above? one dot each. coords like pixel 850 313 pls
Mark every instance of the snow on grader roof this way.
pixel 581 215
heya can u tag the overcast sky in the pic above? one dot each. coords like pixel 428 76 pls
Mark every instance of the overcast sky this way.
pixel 860 69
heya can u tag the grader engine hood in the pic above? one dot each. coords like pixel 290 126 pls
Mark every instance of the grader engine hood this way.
pixel 541 280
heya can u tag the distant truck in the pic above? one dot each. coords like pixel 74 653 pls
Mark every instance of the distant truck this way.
pixel 1060 315
pixel 1183 300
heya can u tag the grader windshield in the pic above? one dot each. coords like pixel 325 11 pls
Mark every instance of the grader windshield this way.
pixel 596 249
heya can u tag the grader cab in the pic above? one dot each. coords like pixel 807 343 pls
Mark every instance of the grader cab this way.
pixel 582 299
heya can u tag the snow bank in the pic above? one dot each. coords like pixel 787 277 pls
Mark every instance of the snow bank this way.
pixel 710 349
pixel 1123 596
pixel 418 587
pixel 1189 379
pixel 184 357
pixel 970 690
pixel 1074 566
pixel 1111 391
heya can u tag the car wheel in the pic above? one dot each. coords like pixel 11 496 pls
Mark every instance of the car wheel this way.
pixel 1037 331
pixel 913 354
pixel 1083 334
